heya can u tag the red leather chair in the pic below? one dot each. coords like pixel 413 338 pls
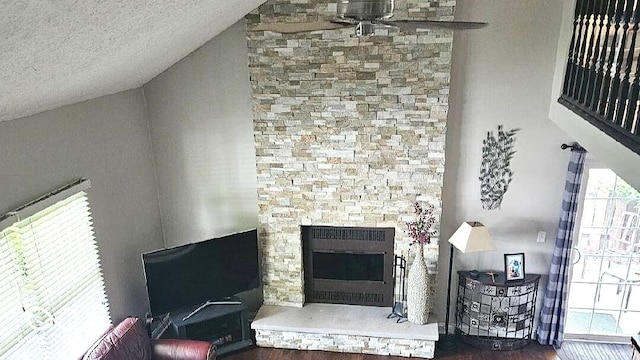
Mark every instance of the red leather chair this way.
pixel 129 341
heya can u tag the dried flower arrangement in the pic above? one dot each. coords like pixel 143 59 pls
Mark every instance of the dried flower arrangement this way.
pixel 421 230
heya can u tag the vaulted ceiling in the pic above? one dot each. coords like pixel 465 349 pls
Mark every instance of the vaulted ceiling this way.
pixel 59 52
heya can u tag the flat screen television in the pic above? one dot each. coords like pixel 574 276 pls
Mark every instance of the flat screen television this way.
pixel 189 275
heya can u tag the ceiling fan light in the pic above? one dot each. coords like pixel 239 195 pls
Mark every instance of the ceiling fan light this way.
pixel 365 28
pixel 364 9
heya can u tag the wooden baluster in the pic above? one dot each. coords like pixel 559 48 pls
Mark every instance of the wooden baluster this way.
pixel 583 39
pixel 573 62
pixel 632 108
pixel 594 59
pixel 623 94
pixel 586 61
pixel 570 65
pixel 606 85
pixel 632 124
pixel 615 83
pixel 602 62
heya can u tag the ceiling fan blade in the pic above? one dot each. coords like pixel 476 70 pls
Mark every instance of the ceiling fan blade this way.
pixel 292 28
pixel 412 25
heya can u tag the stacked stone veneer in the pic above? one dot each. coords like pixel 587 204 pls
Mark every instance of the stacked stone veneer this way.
pixel 346 343
pixel 348 131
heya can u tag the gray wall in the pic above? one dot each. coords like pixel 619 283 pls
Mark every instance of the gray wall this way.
pixel 502 74
pixel 202 135
pixel 107 141
pixel 607 151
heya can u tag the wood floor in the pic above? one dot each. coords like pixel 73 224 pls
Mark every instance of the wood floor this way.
pixel 533 351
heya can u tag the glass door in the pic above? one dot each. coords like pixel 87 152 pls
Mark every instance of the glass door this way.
pixel 604 296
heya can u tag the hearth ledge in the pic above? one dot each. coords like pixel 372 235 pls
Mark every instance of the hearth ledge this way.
pixel 342 328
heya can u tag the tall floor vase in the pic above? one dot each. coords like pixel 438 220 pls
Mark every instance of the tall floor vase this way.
pixel 418 290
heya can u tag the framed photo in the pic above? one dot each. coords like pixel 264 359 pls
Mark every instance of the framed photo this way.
pixel 514 266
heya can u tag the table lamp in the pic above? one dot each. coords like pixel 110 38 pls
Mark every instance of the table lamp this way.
pixel 470 237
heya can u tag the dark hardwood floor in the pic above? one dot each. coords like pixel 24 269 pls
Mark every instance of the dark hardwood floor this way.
pixel 533 351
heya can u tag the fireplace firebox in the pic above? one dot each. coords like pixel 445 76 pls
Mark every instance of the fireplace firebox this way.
pixel 348 265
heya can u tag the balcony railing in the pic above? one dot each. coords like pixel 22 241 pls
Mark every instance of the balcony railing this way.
pixel 601 81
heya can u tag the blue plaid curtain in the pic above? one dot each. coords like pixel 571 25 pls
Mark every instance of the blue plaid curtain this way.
pixel 551 326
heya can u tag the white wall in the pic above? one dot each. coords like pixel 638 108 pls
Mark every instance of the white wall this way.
pixel 107 141
pixel 607 151
pixel 202 135
pixel 502 74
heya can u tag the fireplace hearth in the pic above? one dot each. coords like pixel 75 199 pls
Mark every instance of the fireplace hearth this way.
pixel 348 265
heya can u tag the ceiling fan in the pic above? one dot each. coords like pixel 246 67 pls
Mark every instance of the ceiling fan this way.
pixel 365 15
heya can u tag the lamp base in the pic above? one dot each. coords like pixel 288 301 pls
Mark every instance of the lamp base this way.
pixel 447 342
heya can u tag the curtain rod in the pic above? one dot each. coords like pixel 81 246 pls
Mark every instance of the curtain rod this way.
pixel 572 146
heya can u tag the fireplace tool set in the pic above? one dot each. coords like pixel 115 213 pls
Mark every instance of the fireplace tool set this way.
pixel 399 289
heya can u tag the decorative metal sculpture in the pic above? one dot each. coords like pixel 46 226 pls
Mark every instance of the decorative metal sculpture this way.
pixel 495 171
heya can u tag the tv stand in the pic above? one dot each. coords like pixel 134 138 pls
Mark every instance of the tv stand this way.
pixel 209 302
pixel 223 323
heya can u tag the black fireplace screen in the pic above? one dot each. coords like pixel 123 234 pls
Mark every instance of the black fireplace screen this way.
pixel 348 265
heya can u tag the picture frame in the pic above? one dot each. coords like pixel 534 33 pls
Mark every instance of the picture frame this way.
pixel 514 266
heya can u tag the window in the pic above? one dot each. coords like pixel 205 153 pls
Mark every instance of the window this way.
pixel 51 286
pixel 603 299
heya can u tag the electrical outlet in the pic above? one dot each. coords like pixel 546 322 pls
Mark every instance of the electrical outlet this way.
pixel 542 236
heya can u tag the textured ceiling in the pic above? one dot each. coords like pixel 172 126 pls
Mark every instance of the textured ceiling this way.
pixel 59 52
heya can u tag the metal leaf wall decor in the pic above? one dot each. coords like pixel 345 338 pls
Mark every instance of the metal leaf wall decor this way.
pixel 495 171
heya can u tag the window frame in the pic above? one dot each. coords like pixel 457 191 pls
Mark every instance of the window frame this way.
pixel 61 304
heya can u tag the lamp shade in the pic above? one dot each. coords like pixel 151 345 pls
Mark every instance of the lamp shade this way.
pixel 472 236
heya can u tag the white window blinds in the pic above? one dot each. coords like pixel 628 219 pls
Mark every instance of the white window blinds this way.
pixel 51 286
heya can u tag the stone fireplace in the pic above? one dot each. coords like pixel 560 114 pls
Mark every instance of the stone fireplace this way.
pixel 349 131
